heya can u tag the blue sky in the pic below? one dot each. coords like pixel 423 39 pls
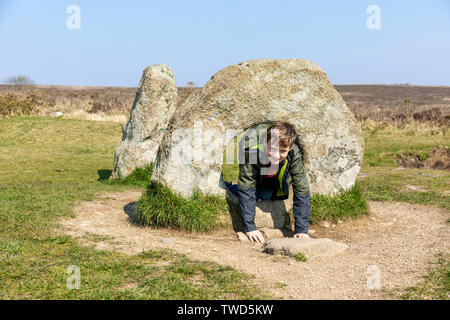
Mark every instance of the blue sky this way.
pixel 197 38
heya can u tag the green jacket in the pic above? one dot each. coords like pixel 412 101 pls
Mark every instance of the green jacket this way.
pixel 252 160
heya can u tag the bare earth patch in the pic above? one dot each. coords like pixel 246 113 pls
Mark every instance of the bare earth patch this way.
pixel 438 159
pixel 398 238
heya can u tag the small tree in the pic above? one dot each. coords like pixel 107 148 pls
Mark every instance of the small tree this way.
pixel 19 80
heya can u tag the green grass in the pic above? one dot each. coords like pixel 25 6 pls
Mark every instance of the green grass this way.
pixel 33 196
pixel 160 207
pixel 383 145
pixel 390 184
pixel 348 204
pixel 281 285
pixel 385 182
pixel 300 257
pixel 435 285
pixel 139 177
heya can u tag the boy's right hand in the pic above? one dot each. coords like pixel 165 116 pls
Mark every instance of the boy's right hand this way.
pixel 255 236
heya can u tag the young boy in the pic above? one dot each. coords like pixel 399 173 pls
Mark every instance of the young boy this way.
pixel 265 170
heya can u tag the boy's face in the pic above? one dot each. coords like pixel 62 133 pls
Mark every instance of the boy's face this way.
pixel 277 153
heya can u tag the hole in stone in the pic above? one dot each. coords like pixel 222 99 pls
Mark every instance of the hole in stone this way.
pixel 270 214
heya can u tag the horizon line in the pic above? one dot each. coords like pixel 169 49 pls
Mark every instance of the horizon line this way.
pixel 334 84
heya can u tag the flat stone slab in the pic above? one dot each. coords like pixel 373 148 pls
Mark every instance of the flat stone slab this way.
pixel 310 247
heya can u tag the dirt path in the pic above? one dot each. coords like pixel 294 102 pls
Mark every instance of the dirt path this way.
pixel 399 239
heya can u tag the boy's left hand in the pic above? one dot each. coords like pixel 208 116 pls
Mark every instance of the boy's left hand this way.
pixel 301 235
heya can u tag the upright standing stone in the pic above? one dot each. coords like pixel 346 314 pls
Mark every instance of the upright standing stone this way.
pixel 153 106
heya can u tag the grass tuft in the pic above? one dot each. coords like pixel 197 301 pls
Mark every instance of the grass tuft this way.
pixel 348 204
pixel 300 257
pixel 139 177
pixel 161 207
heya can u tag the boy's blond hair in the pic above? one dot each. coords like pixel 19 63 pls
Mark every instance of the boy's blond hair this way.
pixel 285 131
